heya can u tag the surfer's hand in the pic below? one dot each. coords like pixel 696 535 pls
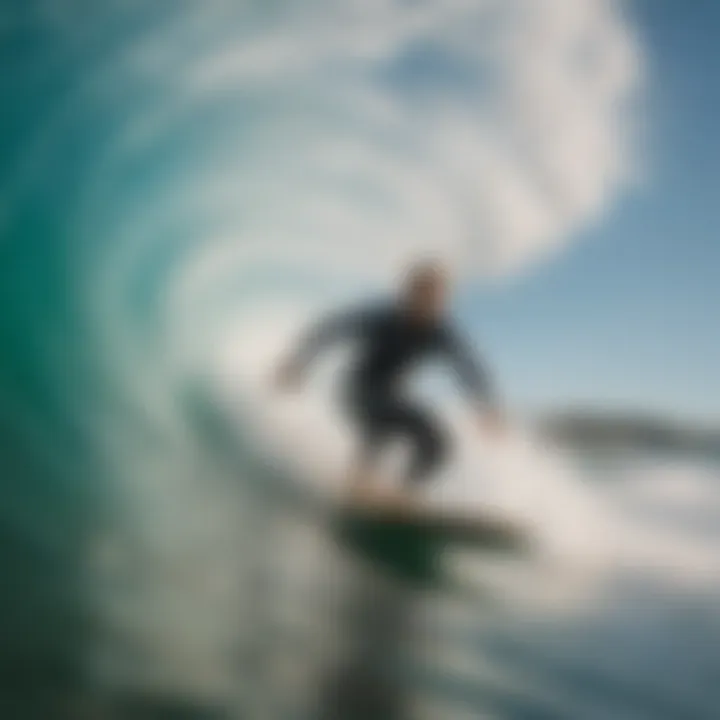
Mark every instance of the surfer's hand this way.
pixel 493 423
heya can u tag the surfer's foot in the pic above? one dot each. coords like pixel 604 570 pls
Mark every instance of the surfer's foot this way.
pixel 374 498
pixel 361 483
pixel 364 492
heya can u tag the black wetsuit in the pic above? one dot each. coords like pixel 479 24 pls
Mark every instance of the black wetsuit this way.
pixel 389 345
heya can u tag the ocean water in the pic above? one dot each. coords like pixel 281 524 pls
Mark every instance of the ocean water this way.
pixel 221 591
pixel 181 184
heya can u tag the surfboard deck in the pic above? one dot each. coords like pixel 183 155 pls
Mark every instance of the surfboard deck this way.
pixel 482 530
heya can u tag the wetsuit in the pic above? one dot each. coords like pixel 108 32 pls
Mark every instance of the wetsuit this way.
pixel 390 344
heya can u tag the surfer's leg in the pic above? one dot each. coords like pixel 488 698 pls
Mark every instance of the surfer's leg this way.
pixel 379 418
pixel 393 416
pixel 430 445
pixel 371 423
pixel 364 463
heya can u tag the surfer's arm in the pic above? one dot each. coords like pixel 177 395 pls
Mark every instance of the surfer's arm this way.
pixel 322 335
pixel 476 380
pixel 471 371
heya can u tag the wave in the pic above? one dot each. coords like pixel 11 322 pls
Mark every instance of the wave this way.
pixel 185 184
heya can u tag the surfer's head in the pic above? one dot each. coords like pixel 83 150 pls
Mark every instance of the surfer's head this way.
pixel 425 290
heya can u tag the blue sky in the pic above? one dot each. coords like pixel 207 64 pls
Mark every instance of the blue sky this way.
pixel 626 316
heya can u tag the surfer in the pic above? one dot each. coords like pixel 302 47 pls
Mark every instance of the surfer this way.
pixel 391 339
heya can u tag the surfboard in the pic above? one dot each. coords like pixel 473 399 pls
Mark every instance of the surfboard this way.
pixel 481 529
pixel 409 535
